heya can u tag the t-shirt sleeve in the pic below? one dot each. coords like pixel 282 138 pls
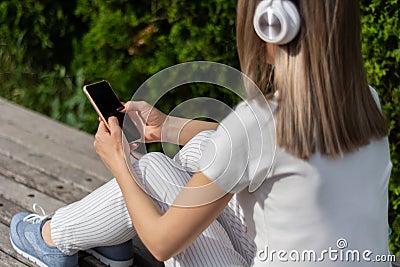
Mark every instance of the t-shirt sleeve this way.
pixel 375 96
pixel 225 155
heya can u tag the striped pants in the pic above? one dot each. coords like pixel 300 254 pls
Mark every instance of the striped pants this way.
pixel 102 219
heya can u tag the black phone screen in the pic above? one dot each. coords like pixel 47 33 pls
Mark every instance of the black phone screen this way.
pixel 107 102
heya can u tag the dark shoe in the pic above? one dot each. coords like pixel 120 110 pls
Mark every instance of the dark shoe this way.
pixel 114 256
pixel 143 257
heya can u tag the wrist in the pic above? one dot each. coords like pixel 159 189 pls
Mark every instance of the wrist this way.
pixel 172 129
pixel 121 170
pixel 117 163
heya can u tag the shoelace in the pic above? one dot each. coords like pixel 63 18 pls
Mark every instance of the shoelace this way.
pixel 35 218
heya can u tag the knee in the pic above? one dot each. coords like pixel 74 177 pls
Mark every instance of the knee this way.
pixel 153 156
pixel 189 156
pixel 156 175
pixel 149 164
pixel 150 160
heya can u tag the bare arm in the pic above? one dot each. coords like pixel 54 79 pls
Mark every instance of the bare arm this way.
pixel 180 131
pixel 156 126
pixel 165 235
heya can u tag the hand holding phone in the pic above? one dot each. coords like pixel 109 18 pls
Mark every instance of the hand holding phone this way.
pixel 107 104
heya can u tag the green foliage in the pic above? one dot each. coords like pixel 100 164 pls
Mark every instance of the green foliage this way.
pixel 381 50
pixel 128 41
pixel 35 51
pixel 49 49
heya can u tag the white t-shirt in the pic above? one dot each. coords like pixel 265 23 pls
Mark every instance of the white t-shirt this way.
pixel 297 209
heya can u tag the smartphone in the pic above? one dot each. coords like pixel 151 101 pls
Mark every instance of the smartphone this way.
pixel 106 103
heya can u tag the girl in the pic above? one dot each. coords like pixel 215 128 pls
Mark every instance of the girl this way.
pixel 322 201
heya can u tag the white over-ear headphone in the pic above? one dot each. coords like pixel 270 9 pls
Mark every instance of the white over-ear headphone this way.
pixel 277 21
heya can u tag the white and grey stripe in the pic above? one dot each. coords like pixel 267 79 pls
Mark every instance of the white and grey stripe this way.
pixel 101 218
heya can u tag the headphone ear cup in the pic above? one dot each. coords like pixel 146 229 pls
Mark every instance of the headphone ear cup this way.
pixel 276 21
pixel 294 21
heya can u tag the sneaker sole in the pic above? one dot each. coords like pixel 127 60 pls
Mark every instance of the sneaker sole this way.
pixel 109 262
pixel 28 256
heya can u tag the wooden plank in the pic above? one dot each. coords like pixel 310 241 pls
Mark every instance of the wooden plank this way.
pixel 48 165
pixel 8 261
pixel 25 196
pixel 8 209
pixel 5 245
pixel 30 139
pixel 47 128
pixel 62 190
pixel 87 260
pixel 44 162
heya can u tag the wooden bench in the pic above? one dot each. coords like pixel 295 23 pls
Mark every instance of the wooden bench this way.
pixel 45 162
pixel 42 161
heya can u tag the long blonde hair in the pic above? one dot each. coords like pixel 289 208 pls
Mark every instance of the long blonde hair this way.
pixel 325 104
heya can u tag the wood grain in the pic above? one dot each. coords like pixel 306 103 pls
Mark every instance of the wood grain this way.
pixel 44 162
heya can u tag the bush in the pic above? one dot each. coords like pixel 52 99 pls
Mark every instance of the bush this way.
pixel 129 41
pixel 381 50
pixel 35 52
